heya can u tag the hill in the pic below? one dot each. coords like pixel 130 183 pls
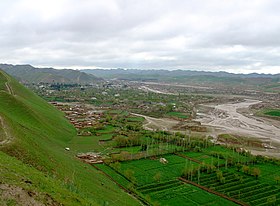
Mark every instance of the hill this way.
pixel 266 82
pixel 30 74
pixel 117 73
pixel 35 169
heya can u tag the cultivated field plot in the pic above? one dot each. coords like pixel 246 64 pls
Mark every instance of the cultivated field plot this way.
pixel 145 170
pixel 217 156
pixel 269 174
pixel 114 175
pixel 272 112
pixel 204 158
pixel 225 153
pixel 242 187
pixel 178 115
pixel 177 193
pixel 158 182
pixel 153 149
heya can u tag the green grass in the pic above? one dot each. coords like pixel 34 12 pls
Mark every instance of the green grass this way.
pixel 178 115
pixel 40 133
pixel 117 177
pixel 203 157
pixel 132 150
pixel 88 143
pixel 118 112
pixel 146 169
pixel 273 112
pixel 187 195
pixel 106 129
pixel 135 119
pixel 268 173
pixel 15 173
pixel 2 81
pixel 240 186
pixel 226 153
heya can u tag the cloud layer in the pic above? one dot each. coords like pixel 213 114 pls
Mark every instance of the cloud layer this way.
pixel 232 35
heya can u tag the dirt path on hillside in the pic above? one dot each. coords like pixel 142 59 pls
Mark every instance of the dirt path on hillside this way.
pixel 157 123
pixel 225 118
pixel 10 90
pixel 5 137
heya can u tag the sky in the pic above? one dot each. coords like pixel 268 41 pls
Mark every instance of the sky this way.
pixel 234 35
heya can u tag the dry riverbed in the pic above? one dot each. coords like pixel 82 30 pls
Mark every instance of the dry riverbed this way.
pixel 226 118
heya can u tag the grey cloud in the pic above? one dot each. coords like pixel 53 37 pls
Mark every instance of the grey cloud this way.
pixel 167 34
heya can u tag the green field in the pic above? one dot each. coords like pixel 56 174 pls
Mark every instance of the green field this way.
pixel 204 158
pixel 178 115
pixel 242 187
pixel 116 176
pixel 175 193
pixel 273 112
pixel 146 169
pixel 169 190
pixel 268 173
pixel 135 119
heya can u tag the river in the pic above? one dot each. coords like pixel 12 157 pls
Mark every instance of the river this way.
pixel 226 118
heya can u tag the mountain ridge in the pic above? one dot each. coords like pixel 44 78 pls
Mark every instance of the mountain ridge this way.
pixel 29 74
pixel 103 72
pixel 33 159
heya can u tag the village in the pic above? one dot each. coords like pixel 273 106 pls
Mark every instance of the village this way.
pixel 80 115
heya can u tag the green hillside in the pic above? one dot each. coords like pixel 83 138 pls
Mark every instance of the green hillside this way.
pixel 33 135
pixel 30 74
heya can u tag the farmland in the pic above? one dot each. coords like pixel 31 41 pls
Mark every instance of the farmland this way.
pixel 159 183
pixel 143 173
pixel 160 167
pixel 273 112
pixel 177 193
pixel 178 163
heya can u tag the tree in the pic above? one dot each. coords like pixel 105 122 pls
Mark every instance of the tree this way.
pixel 116 166
pixel 271 200
pixel 187 172
pixel 239 166
pixel 219 175
pixel 157 177
pixel 277 179
pixel 256 172
pixel 130 175
pixel 245 169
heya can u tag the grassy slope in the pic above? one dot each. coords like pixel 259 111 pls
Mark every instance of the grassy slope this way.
pixel 39 135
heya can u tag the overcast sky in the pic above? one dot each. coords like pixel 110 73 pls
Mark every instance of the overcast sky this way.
pixel 231 35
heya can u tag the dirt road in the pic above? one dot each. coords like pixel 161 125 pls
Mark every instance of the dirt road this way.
pixel 158 123
pixel 225 118
pixel 147 89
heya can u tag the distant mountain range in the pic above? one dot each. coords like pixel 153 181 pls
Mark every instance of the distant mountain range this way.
pixel 30 74
pixel 265 82
pixel 120 73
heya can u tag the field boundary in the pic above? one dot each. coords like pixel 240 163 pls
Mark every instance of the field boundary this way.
pixel 213 192
pixel 142 200
pixel 189 158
